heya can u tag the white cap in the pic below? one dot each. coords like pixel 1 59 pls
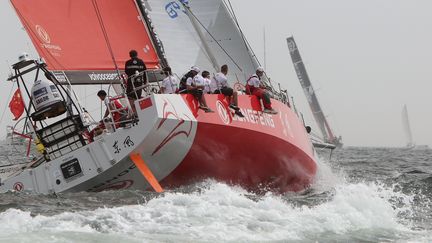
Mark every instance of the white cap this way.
pixel 260 69
pixel 195 68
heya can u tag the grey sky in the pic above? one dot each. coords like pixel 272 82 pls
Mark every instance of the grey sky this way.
pixel 365 58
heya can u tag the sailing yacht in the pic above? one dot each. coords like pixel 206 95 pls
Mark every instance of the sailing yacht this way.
pixel 170 141
pixel 328 138
pixel 408 134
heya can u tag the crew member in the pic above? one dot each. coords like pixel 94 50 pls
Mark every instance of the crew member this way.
pixel 133 67
pixel 222 87
pixel 207 82
pixel 170 84
pixel 254 87
pixel 182 85
pixel 118 113
pixel 195 86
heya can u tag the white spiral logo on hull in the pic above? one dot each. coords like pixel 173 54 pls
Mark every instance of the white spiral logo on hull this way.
pixel 223 113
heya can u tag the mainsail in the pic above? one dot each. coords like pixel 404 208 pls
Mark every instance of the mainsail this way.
pixel 309 92
pixel 183 46
pixel 407 127
pixel 86 41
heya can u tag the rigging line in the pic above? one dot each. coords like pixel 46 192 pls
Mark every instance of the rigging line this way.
pixel 74 94
pixel 6 103
pixel 105 33
pixel 202 25
pixel 101 105
pixel 245 42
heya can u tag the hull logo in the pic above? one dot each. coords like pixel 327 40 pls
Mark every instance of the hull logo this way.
pixel 18 186
pixel 223 113
pixel 180 128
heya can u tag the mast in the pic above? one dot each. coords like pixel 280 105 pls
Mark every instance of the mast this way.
pixel 309 92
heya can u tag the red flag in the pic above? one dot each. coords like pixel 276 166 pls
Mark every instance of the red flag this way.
pixel 16 105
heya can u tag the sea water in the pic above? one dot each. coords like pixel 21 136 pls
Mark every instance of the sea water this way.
pixel 359 195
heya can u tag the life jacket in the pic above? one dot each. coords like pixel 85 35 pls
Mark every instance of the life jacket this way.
pixel 250 88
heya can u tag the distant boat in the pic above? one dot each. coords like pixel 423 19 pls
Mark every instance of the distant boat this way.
pixel 320 118
pixel 407 129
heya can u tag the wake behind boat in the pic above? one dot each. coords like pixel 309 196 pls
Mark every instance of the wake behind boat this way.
pixel 170 141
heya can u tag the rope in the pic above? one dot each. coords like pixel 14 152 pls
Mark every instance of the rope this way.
pixel 248 46
pixel 101 23
pixel 241 32
pixel 105 34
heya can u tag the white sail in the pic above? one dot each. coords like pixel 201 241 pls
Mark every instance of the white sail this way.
pixel 407 127
pixel 183 46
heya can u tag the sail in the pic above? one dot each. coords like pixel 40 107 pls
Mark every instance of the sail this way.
pixel 407 127
pixel 86 41
pixel 195 36
pixel 309 91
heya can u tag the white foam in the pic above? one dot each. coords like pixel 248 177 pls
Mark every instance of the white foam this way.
pixel 220 212
pixel 326 177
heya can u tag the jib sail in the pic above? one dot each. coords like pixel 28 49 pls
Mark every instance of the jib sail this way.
pixel 183 46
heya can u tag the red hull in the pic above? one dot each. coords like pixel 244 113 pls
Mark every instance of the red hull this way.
pixel 259 152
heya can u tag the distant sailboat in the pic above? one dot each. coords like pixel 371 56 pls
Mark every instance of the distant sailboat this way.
pixel 407 129
pixel 327 133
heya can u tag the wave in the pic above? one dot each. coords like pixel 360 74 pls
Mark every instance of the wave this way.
pixel 335 208
pixel 219 212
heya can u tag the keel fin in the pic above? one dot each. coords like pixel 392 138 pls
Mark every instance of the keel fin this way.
pixel 146 172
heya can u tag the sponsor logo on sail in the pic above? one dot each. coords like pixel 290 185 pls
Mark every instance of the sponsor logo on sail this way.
pixel 43 34
pixel 103 76
pixel 46 39
pixel 173 7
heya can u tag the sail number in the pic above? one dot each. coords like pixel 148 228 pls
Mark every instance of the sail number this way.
pixel 173 7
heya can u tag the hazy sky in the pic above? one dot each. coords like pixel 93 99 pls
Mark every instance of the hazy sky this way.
pixel 365 59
